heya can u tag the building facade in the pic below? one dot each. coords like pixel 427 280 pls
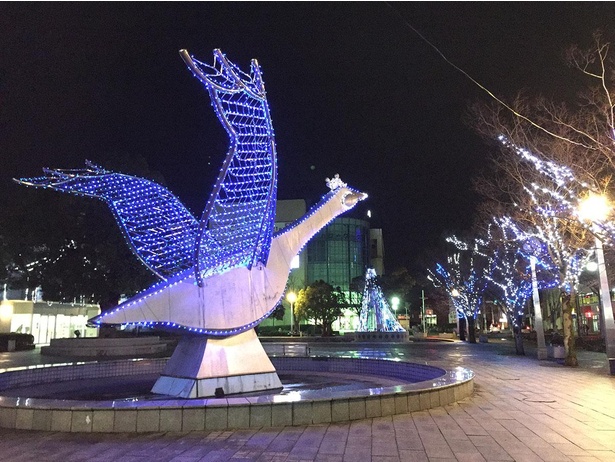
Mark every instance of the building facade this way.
pixel 47 320
pixel 339 255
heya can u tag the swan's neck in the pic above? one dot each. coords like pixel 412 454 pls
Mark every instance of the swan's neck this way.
pixel 295 236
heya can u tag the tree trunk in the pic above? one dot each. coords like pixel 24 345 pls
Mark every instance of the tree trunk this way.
pixel 462 329
pixel 518 336
pixel 571 352
pixel 471 330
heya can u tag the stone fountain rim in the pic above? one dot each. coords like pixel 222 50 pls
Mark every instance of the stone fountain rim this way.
pixel 446 379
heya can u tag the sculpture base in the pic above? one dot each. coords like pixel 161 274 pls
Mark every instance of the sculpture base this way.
pixel 203 367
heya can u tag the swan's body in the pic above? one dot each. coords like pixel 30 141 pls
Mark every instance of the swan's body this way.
pixel 235 300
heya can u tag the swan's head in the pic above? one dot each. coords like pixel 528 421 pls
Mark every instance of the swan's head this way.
pixel 348 197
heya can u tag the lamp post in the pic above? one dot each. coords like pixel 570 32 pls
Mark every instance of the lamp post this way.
pixel 596 208
pixel 292 298
pixel 538 326
pixel 423 312
pixel 455 293
pixel 533 247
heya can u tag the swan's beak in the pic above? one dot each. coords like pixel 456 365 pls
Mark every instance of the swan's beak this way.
pixel 351 199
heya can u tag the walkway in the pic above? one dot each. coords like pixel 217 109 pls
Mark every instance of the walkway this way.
pixel 523 410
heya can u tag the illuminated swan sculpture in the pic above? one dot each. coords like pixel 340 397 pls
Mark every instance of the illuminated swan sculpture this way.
pixel 222 276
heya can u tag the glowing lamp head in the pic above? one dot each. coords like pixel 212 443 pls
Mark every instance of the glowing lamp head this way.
pixel 591 266
pixel 594 208
pixel 291 297
pixel 395 303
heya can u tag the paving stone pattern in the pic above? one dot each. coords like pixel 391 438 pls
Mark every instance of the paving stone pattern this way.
pixel 522 410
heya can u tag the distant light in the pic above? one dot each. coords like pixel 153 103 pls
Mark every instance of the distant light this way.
pixel 295 262
pixel 591 266
pixel 369 214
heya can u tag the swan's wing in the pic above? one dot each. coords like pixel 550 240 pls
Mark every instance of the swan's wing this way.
pixel 237 223
pixel 158 227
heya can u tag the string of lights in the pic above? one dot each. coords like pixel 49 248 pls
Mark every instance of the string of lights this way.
pixel 159 229
pixel 511 274
pixel 556 202
pixel 237 223
pixel 465 277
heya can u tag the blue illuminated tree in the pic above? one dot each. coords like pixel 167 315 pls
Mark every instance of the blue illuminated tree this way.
pixel 510 278
pixel 465 277
pixel 563 151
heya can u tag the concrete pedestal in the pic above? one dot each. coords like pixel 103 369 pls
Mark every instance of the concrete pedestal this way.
pixel 204 367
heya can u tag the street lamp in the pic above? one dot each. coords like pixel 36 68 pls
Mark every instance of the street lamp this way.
pixel 541 350
pixel 292 298
pixel 423 312
pixel 597 208
pixel 395 305
pixel 591 266
pixel 455 293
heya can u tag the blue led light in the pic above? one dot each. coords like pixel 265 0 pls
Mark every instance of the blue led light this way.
pixel 511 278
pixel 237 223
pixel 157 226
pixel 465 277
pixel 236 228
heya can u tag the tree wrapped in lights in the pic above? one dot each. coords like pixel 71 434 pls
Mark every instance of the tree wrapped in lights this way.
pixel 550 213
pixel 465 278
pixel 580 136
pixel 543 197
pixel 511 276
pixel 376 315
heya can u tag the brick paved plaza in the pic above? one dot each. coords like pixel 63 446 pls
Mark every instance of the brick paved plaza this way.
pixel 522 410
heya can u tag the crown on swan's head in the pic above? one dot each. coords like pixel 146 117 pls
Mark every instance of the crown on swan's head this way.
pixel 335 183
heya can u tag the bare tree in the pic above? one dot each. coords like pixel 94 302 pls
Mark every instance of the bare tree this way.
pixel 464 277
pixel 553 155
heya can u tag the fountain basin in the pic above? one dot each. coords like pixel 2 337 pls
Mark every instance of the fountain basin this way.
pixel 374 336
pixel 430 387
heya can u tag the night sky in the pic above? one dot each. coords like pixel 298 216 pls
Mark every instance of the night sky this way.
pixel 352 90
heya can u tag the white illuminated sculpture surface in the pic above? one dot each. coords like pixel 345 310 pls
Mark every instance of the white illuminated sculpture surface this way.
pixel 222 275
